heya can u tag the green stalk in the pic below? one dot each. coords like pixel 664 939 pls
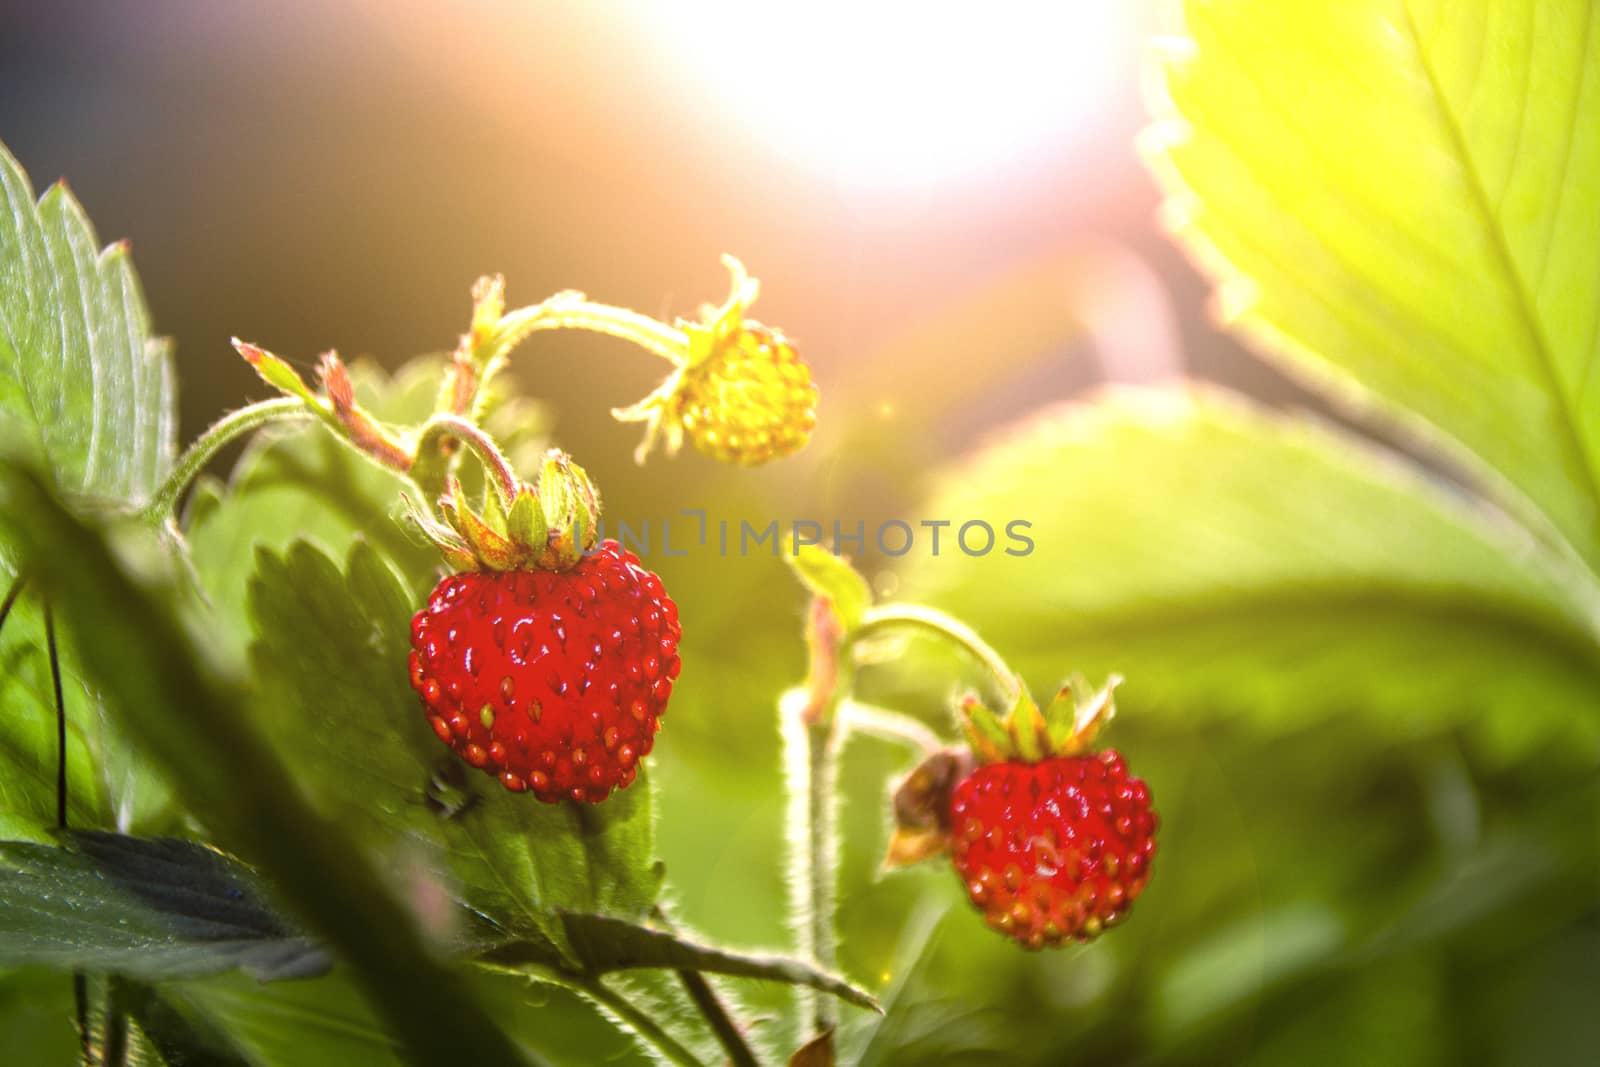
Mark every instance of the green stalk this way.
pixel 226 430
pixel 937 624
pixel 822 857
pixel 816 722
pixel 575 313
pixel 710 1005
pixel 495 464
pixel 640 1023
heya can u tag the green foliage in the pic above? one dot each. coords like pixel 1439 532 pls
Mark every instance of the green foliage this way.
pixel 145 908
pixel 328 645
pixel 186 720
pixel 87 394
pixel 1270 564
pixel 1399 200
pixel 1361 677
pixel 84 388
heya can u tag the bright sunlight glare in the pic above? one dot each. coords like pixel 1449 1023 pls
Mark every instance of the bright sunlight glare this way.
pixel 897 95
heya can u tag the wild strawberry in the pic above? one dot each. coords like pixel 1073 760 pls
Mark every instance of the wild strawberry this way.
pixel 753 402
pixel 547 662
pixel 553 681
pixel 740 392
pixel 1052 840
pixel 1054 850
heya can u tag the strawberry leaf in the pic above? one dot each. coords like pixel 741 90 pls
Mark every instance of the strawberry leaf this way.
pixel 148 908
pixel 1398 201
pixel 1273 565
pixel 89 396
pixel 187 720
pixel 331 650
pixel 84 389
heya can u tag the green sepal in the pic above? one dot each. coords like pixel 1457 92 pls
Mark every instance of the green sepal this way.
pixel 488 548
pixel 985 735
pixel 716 325
pixel 525 522
pixel 831 577
pixel 1026 726
pixel 571 509
pixel 1077 713
pixel 494 508
pixel 276 372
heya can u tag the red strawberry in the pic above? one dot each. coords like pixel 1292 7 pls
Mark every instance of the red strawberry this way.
pixel 554 681
pixel 1054 849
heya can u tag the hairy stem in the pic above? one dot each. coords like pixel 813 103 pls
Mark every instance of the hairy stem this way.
pixel 822 858
pixel 952 631
pixel 640 1023
pixel 811 752
pixel 716 1014
pixel 495 464
pixel 223 432
pixel 888 725
pixel 575 313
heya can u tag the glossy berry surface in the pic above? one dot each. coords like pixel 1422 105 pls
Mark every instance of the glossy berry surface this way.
pixel 751 402
pixel 1056 850
pixel 552 681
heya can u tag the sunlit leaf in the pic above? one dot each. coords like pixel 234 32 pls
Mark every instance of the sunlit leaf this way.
pixel 1398 198
pixel 1225 559
pixel 89 394
pixel 84 387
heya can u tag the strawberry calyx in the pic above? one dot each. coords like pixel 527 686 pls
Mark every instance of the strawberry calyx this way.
pixel 1067 726
pixel 549 526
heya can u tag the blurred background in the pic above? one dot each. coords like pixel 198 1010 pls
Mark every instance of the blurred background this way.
pixel 949 213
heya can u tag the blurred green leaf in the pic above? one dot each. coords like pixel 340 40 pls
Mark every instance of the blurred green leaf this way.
pixel 149 908
pixel 304 484
pixel 1226 559
pixel 1400 197
pixel 187 720
pixel 90 396
pixel 28 736
pixel 84 388
pixel 833 578
pixel 1242 960
pixel 331 651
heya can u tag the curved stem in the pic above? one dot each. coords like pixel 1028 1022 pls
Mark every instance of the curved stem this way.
pixel 575 313
pixel 494 461
pixel 640 1023
pixel 889 725
pixel 937 624
pixel 222 433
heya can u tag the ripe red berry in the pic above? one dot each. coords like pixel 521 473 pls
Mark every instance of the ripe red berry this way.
pixel 552 681
pixel 1053 850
